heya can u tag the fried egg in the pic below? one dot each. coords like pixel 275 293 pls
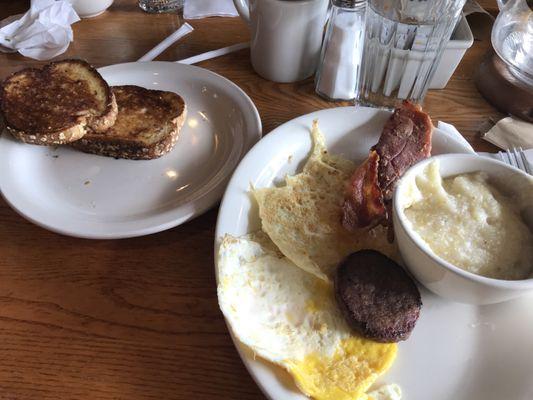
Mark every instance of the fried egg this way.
pixel 289 317
pixel 303 216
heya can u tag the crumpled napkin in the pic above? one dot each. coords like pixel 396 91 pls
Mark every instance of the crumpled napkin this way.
pixel 194 9
pixel 42 33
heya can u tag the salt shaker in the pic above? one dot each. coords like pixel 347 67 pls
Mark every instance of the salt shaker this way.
pixel 342 49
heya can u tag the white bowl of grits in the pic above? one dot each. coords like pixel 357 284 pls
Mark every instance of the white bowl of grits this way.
pixel 464 227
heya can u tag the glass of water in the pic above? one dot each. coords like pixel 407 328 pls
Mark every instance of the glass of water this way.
pixel 404 41
pixel 161 6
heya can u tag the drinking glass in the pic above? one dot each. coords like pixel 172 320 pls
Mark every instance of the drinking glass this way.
pixel 404 41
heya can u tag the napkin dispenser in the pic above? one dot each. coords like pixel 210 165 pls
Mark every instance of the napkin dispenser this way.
pixel 460 41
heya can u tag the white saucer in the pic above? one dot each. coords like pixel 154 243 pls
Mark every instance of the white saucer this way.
pixel 98 197
pixel 456 351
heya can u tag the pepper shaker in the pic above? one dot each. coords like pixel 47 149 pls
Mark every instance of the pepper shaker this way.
pixel 340 60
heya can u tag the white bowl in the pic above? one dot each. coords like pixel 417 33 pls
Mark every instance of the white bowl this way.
pixel 440 276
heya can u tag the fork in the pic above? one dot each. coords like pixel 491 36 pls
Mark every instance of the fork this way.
pixel 516 158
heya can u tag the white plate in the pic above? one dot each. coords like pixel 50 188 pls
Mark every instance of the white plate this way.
pixel 92 196
pixel 456 351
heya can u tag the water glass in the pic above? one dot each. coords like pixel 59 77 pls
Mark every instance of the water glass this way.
pixel 161 6
pixel 404 41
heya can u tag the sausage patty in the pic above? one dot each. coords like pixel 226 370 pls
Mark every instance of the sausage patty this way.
pixel 377 297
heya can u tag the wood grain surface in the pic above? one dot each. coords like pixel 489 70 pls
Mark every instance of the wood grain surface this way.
pixel 138 318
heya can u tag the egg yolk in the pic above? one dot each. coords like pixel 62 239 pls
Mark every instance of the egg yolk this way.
pixel 348 374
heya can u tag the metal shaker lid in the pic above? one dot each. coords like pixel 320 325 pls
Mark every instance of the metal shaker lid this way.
pixel 347 3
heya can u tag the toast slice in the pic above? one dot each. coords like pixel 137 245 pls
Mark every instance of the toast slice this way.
pixel 147 125
pixel 57 104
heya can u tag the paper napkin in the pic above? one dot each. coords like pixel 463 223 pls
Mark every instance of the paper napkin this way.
pixel 452 130
pixel 194 9
pixel 511 132
pixel 42 33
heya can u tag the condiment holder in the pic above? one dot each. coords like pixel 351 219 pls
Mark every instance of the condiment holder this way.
pixel 460 41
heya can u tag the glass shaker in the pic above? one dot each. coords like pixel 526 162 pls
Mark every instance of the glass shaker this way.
pixel 342 49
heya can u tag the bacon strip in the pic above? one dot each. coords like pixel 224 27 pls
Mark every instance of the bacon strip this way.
pixel 405 140
pixel 364 202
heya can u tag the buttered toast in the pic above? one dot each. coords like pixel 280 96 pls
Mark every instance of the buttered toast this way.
pixel 57 104
pixel 147 125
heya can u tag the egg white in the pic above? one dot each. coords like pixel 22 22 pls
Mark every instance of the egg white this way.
pixel 289 317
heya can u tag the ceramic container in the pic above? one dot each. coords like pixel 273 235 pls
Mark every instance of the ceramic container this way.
pixel 286 36
pixel 90 8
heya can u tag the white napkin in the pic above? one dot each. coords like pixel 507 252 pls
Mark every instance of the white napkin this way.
pixel 452 130
pixel 42 33
pixel 194 9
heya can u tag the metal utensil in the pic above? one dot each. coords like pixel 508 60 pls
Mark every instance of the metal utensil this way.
pixel 516 158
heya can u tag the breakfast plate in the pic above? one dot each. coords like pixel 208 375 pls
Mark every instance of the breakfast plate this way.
pixel 456 351
pixel 91 196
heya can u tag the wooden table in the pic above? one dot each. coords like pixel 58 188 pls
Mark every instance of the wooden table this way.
pixel 138 318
